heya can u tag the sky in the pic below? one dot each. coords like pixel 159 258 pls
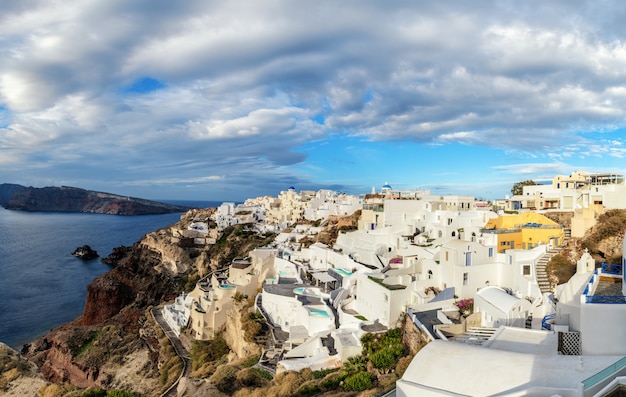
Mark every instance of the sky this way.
pixel 227 100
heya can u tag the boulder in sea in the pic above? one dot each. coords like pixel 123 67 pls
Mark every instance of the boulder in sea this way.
pixel 85 252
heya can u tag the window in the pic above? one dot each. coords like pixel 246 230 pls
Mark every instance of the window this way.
pixel 446 256
pixel 526 270
pixel 465 278
pixel 386 298
pixel 490 252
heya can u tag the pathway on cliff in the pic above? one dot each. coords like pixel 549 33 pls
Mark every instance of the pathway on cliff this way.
pixel 180 350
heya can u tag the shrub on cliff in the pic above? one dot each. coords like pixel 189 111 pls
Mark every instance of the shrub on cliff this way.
pixel 206 351
pixel 224 379
pixel 561 268
pixel 251 325
pixel 359 381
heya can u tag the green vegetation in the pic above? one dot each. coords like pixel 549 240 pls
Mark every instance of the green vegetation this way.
pixel 359 381
pixel 239 297
pixel 561 268
pixel 518 187
pixel 224 378
pixel 389 287
pixel 383 361
pixel 207 353
pixel 83 341
pixel 251 324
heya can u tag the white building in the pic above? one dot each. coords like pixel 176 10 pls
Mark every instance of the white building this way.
pixel 515 362
pixel 298 308
pixel 499 308
pixel 177 314
pixel 592 305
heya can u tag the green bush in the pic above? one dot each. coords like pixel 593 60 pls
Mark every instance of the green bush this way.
pixel 561 268
pixel 359 382
pixel 208 351
pixel 94 393
pixel 355 364
pixel 332 382
pixel 224 379
pixel 250 361
pixel 119 393
pixel 384 359
pixel 323 372
pixel 263 373
pixel 249 377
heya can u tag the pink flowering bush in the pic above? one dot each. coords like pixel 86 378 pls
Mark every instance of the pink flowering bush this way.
pixel 465 305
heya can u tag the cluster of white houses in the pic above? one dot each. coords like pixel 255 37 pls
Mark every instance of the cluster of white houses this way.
pixel 419 254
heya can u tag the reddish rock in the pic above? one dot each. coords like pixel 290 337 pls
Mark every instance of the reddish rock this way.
pixel 106 296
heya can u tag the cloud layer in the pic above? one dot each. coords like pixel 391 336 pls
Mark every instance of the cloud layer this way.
pixel 200 96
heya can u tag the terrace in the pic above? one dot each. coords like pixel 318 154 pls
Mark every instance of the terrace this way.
pixel 605 286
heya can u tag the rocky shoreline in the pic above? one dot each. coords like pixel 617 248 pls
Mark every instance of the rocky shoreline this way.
pixel 116 343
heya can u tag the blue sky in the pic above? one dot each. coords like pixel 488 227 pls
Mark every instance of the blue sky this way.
pixel 228 100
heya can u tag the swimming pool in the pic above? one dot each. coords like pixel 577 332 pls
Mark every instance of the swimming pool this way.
pixel 342 272
pixel 318 313
pixel 307 291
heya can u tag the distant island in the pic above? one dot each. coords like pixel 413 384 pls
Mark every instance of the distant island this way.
pixel 72 199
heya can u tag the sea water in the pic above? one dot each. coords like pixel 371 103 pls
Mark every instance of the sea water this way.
pixel 41 284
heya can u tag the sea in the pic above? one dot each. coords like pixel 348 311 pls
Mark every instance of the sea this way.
pixel 41 284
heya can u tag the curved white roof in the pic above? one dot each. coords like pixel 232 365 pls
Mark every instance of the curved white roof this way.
pixel 441 368
pixel 500 299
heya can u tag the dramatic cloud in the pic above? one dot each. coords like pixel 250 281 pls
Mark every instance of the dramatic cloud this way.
pixel 198 97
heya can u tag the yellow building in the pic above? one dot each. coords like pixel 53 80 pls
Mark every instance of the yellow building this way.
pixel 524 231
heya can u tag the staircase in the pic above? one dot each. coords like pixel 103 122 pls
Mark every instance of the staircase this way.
pixel 475 335
pixel 540 267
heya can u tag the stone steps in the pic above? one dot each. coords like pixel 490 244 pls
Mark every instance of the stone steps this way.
pixel 540 267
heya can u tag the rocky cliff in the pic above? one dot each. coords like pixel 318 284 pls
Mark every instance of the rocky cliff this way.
pixel 71 199
pixel 7 190
pixel 114 344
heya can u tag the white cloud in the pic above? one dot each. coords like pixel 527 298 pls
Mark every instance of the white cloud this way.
pixel 242 81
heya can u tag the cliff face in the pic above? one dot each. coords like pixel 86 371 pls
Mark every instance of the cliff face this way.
pixel 113 344
pixel 115 334
pixel 71 199
pixel 7 190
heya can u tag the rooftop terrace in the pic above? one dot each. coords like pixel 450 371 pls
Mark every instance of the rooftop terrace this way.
pixel 605 286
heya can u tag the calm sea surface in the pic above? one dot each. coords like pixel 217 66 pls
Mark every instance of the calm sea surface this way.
pixel 41 284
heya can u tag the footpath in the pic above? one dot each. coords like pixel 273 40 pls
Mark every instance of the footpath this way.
pixel 179 348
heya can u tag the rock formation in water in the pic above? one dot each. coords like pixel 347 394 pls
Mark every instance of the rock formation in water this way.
pixel 85 252
pixel 71 199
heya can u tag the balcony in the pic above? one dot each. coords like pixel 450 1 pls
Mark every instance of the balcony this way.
pixel 604 288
